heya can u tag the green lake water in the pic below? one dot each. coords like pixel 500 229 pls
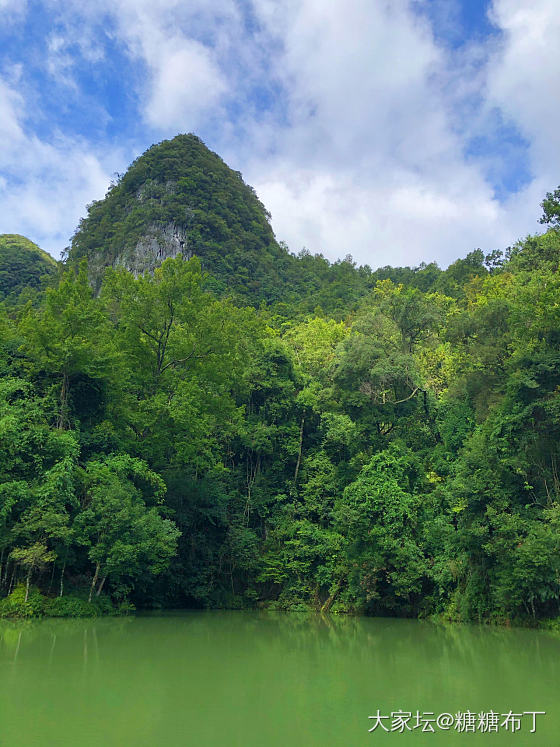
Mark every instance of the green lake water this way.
pixel 242 678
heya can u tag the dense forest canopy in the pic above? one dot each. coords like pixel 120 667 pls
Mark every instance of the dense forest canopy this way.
pixel 246 427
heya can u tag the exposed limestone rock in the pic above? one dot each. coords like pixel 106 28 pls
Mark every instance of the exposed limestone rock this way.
pixel 159 243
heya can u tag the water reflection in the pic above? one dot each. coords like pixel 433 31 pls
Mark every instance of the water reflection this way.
pixel 260 678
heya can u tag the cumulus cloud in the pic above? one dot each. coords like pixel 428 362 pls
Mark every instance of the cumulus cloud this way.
pixel 59 180
pixel 524 77
pixel 381 223
pixel 375 159
pixel 354 122
pixel 385 176
pixel 184 48
pixel 186 86
pixel 45 185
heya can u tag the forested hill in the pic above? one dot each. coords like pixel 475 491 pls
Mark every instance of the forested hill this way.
pixel 23 267
pixel 384 442
pixel 181 198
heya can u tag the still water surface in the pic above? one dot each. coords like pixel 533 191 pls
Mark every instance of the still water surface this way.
pixel 258 679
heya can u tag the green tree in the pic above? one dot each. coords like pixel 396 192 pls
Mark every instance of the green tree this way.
pixel 551 209
pixel 125 538
pixel 380 516
pixel 35 557
pixel 67 339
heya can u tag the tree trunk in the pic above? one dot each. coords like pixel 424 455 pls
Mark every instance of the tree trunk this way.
pixel 27 582
pixel 328 604
pixel 62 579
pixel 62 416
pixel 299 452
pixel 100 587
pixel 4 570
pixel 7 572
pixel 93 582
pixel 251 475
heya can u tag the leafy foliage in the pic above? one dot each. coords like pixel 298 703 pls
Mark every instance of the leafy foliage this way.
pixel 384 442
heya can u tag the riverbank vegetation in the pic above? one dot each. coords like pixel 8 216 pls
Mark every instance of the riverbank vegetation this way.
pixel 392 449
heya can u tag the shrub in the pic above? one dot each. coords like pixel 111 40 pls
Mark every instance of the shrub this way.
pixel 15 605
pixel 70 606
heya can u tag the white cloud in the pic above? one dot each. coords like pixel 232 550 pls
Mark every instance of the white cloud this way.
pixel 59 181
pixel 67 45
pixel 369 162
pixel 380 223
pixel 373 158
pixel 349 119
pixel 524 77
pixel 12 10
pixel 186 78
pixel 186 86
pixel 59 60
pixel 11 104
pixel 45 185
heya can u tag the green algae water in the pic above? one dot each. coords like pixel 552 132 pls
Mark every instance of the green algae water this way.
pixel 242 678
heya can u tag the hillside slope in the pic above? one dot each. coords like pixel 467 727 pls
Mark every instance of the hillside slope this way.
pixel 22 265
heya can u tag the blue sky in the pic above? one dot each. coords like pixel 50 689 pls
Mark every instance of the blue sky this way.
pixel 399 132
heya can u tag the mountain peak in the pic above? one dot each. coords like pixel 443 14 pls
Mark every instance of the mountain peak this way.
pixel 179 197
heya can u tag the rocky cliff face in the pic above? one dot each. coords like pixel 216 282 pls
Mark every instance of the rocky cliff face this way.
pixel 181 198
pixel 159 243
pixel 156 245
pixel 152 248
